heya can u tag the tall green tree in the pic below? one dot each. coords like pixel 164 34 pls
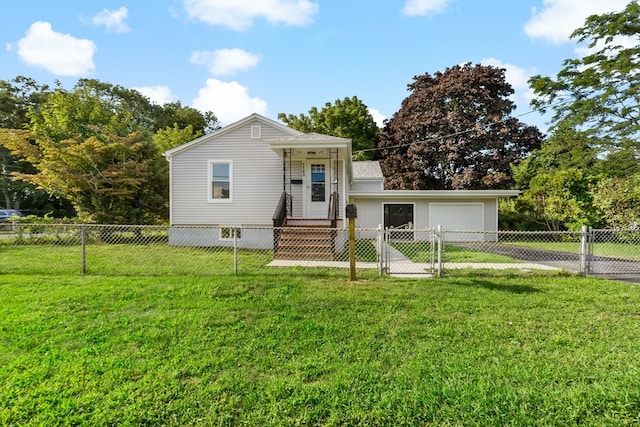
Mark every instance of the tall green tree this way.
pixel 174 114
pixel 346 118
pixel 89 147
pixel 455 131
pixel 559 199
pixel 600 92
pixel 565 148
pixel 618 201
pixel 17 97
pixel 94 146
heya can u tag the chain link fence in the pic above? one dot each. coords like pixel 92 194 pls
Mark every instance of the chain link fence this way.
pixel 179 250
pixel 611 253
pixel 204 250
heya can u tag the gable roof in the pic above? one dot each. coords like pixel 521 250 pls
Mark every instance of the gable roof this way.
pixel 367 169
pixel 255 117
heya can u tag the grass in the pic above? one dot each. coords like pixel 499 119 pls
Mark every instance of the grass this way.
pixel 315 349
pixel 144 259
pixel 365 251
pixel 128 259
pixel 421 252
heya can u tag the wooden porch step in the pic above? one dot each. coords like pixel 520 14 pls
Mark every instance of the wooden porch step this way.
pixel 306 238
pixel 308 222
pixel 311 256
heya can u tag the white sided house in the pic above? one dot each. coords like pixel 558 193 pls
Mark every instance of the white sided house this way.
pixel 258 174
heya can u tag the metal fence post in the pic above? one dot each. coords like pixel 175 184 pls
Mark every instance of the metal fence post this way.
pixel 83 239
pixel 583 250
pixel 387 250
pixel 433 250
pixel 380 250
pixel 234 230
pixel 590 238
pixel 440 242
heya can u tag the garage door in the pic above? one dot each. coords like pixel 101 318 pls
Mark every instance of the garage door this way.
pixel 458 216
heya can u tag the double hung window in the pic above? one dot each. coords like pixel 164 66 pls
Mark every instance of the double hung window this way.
pixel 221 181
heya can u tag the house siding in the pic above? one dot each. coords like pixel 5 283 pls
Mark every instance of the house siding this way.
pixel 256 185
pixel 371 214
pixel 366 185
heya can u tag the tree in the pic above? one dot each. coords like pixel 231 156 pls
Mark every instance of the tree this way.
pixel 347 118
pixel 565 148
pixel 618 201
pixel 90 149
pixel 558 199
pixel 171 137
pixel 17 97
pixel 600 92
pixel 173 114
pixel 72 135
pixel 555 180
pixel 454 131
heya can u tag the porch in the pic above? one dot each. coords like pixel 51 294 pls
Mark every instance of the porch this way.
pixel 316 170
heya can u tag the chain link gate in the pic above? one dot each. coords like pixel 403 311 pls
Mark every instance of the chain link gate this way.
pixel 613 253
pixel 408 251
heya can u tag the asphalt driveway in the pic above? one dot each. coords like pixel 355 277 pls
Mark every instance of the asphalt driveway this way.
pixel 600 266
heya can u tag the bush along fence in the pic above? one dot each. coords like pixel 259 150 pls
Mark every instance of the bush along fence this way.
pixel 208 250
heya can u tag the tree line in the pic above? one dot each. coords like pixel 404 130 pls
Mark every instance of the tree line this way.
pixel 96 151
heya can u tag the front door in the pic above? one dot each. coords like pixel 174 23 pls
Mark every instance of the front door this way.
pixel 399 216
pixel 316 204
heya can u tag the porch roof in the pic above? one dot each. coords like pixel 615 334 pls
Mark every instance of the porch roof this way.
pixel 310 140
pixel 313 145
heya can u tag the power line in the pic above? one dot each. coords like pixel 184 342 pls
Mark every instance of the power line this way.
pixel 462 132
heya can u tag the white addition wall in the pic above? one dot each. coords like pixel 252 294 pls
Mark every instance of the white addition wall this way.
pixel 458 216
pixel 479 214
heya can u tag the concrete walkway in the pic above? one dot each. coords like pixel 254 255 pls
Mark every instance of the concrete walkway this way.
pixel 401 266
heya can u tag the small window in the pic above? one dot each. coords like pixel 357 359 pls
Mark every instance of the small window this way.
pixel 256 131
pixel 227 233
pixel 220 184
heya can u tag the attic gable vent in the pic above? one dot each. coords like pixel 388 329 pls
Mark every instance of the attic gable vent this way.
pixel 256 131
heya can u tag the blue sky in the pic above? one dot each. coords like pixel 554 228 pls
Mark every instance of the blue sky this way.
pixel 235 57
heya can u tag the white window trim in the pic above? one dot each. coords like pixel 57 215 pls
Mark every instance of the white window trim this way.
pixel 230 238
pixel 210 181
pixel 256 132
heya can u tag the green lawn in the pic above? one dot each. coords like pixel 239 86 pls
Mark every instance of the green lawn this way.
pixel 420 252
pixel 129 259
pixel 306 348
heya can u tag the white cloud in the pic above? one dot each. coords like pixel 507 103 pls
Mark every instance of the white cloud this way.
pixel 240 14
pixel 378 117
pixel 517 77
pixel 113 20
pixel 559 18
pixel 424 7
pixel 225 62
pixel 626 42
pixel 60 54
pixel 157 94
pixel 229 101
